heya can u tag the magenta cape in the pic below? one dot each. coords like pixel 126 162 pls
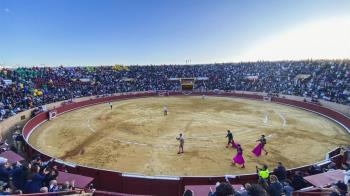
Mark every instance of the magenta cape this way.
pixel 238 159
pixel 257 150
pixel 234 145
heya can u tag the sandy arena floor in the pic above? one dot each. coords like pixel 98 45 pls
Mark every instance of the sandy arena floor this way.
pixel 135 137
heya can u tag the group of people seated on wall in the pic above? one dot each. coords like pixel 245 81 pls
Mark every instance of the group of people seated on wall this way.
pixel 277 182
pixel 24 88
pixel 35 176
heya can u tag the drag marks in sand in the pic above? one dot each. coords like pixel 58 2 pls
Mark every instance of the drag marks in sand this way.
pixel 136 137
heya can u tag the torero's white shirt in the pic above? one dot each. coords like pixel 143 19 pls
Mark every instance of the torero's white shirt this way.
pixel 181 140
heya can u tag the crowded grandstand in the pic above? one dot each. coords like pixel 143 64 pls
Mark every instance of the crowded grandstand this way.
pixel 23 88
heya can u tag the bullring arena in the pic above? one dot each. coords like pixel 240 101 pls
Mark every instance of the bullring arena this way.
pixel 135 137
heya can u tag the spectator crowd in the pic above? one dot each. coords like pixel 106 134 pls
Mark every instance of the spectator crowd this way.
pixel 24 88
pixel 278 182
pixel 35 176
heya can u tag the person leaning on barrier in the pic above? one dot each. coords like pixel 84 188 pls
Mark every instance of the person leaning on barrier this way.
pixel 280 172
pixel 263 174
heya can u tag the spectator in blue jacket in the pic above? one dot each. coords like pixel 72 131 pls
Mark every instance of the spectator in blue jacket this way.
pixel 5 171
pixel 36 182
pixel 19 175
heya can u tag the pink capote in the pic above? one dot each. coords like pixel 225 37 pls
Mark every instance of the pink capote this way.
pixel 257 150
pixel 234 145
pixel 238 159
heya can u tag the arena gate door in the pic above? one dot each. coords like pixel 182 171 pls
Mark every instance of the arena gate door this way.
pixel 187 84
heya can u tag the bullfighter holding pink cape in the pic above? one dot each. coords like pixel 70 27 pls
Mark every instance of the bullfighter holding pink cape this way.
pixel 239 157
pixel 259 147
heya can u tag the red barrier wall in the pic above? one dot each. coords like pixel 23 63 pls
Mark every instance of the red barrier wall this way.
pixel 116 182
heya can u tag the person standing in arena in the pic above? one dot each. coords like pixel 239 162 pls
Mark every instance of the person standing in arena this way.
pixel 260 147
pixel 181 139
pixel 110 105
pixel 239 157
pixel 230 139
pixel 165 110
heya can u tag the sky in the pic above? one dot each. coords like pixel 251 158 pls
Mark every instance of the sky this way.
pixel 129 32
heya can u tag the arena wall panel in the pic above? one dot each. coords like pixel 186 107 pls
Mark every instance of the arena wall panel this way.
pixel 115 181
pixel 106 193
pixel 90 172
pixel 338 160
pixel 200 180
pixel 71 169
pixel 151 186
pixel 334 152
pixel 166 187
pixel 133 185
pixel 111 181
